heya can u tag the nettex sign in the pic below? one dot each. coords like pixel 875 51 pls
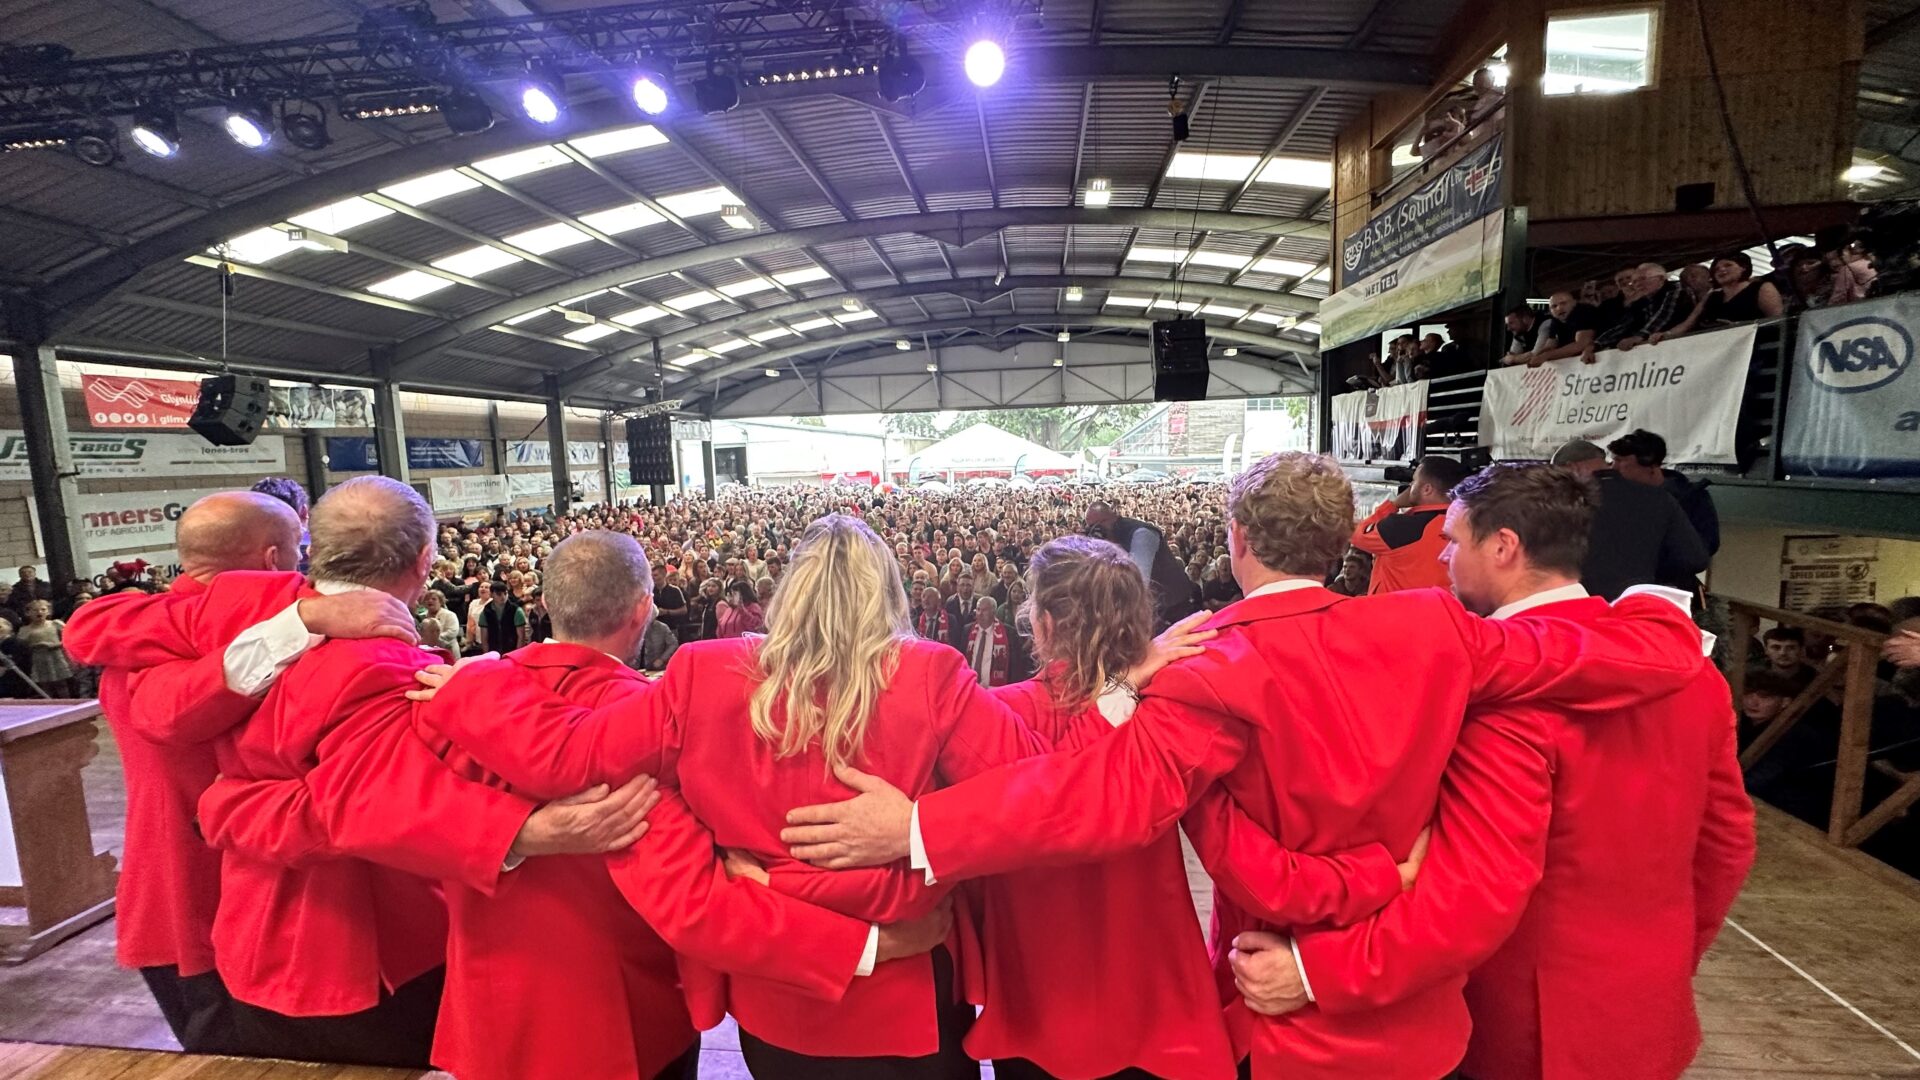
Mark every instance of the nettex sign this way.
pixel 1853 409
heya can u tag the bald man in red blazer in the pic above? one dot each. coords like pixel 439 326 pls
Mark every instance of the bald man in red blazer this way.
pixel 1330 721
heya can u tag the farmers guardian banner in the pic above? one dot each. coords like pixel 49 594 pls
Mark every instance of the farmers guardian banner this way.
pixel 1688 390
pixel 1853 409
pixel 1469 190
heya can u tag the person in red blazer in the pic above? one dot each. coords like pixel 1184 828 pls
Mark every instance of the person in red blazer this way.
pixel 596 993
pixel 169 883
pixel 1649 839
pixel 751 727
pixel 1329 721
pixel 1101 970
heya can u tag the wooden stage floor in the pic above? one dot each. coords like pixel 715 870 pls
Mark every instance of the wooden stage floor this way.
pixel 1817 975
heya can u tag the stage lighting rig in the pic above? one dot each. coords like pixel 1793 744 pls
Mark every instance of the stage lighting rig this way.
pixel 98 146
pixel 156 131
pixel 304 125
pixel 542 96
pixel 465 112
pixel 1182 127
pixel 248 123
pixel 715 92
pixel 901 74
pixel 985 62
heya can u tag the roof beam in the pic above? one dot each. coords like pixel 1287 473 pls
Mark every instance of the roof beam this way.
pixel 952 226
pixel 1344 69
pixel 906 176
pixel 271 322
pixel 807 166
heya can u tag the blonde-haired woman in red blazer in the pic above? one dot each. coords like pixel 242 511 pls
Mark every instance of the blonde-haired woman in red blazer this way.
pixel 1100 969
pixel 748 728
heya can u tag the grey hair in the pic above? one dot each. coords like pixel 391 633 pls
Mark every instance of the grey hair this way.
pixel 369 530
pixel 593 581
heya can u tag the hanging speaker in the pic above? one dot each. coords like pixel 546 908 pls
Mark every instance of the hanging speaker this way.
pixel 1180 360
pixel 650 450
pixel 231 409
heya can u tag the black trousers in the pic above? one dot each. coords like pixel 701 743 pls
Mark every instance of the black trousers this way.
pixel 769 1062
pixel 1022 1069
pixel 397 1032
pixel 197 1008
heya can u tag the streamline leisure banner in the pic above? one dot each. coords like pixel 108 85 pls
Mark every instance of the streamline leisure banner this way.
pixel 1379 425
pixel 1851 411
pixel 1688 391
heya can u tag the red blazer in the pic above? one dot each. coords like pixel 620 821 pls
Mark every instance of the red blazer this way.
pixel 1288 707
pixel 162 718
pixel 932 724
pixel 1095 969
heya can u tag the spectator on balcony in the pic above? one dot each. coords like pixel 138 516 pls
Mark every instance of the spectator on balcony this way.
pixel 1524 329
pixel 1787 656
pixel 1443 357
pixel 1735 298
pixel 1641 456
pixel 1658 305
pixel 1640 535
pixel 1404 534
pixel 1698 281
pixel 1570 332
pixel 1614 294
pixel 1762 700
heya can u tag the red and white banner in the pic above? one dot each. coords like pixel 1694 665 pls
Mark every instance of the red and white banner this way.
pixel 138 401
pixel 1379 425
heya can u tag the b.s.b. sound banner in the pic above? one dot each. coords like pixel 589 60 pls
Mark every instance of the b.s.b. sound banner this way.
pixel 1688 391
pixel 1379 425
pixel 1852 410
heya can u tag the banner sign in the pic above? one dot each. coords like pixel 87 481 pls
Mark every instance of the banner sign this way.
pixel 528 452
pixel 136 401
pixel 1688 390
pixel 1379 425
pixel 539 485
pixel 449 494
pixel 117 521
pixel 1851 410
pixel 295 406
pixel 360 453
pixel 123 456
pixel 1458 269
pixel 1469 190
pixel 1824 571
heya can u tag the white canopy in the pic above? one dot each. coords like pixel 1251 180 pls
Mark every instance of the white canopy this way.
pixel 985 448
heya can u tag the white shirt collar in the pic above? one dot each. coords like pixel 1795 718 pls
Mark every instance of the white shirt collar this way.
pixel 1575 591
pixel 1272 588
pixel 330 587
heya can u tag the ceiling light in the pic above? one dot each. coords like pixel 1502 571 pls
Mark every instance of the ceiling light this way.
pixel 465 112
pixel 1861 172
pixel 1063 337
pixel 1075 294
pixel 572 315
pixel 543 98
pixel 902 344
pixel 901 75
pixel 851 303
pixel 935 368
pixel 156 131
pixel 773 373
pixel 716 93
pixel 248 124
pixel 305 129
pixel 650 91
pixel 1230 351
pixel 739 217
pixel 985 62
pixel 1059 361
pixel 1099 192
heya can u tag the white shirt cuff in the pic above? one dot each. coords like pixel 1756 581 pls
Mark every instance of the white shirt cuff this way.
pixel 1301 968
pixel 1679 598
pixel 871 955
pixel 264 650
pixel 511 863
pixel 916 847
pixel 1116 706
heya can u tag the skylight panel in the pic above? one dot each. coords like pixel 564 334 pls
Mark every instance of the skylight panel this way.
pixel 1227 168
pixel 432 187
pixel 641 315
pixel 528 316
pixel 746 288
pixel 689 301
pixel 548 238
pixel 1308 327
pixel 1221 259
pixel 337 218
pixel 1156 254
pixel 619 140
pixel 521 162
pixel 1223 311
pixel 476 261
pixel 1183 305
pixel 857 316
pixel 1298 172
pixel 410 285
pixel 802 275
pixel 690 359
pixel 729 345
pixel 263 246
pixel 1129 301
pixel 584 296
pixel 621 219
pixel 695 203
pixel 1283 267
pixel 773 332
pixel 1325 273
pixel 811 325
pixel 1272 318
pixel 590 332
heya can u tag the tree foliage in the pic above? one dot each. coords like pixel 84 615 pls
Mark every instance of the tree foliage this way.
pixel 1065 428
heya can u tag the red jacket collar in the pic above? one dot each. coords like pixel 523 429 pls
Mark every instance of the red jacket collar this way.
pixel 186 586
pixel 1275 606
pixel 562 654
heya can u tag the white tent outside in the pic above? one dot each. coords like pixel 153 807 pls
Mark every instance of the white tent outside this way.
pixel 985 450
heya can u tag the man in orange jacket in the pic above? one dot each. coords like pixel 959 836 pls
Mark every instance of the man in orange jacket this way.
pixel 1403 533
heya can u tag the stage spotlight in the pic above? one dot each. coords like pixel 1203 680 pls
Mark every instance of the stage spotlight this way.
pixel 156 131
pixel 248 123
pixel 652 91
pixel 465 112
pixel 901 74
pixel 304 129
pixel 543 98
pixel 985 62
pixel 97 148
pixel 716 93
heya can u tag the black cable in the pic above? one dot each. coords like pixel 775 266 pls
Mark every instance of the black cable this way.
pixel 1733 147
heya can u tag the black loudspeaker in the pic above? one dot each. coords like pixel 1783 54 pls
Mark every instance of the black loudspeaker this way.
pixel 1180 360
pixel 650 450
pixel 1693 198
pixel 231 409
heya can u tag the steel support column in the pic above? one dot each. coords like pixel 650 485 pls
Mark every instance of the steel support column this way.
pixel 557 447
pixel 706 465
pixel 389 427
pixel 606 458
pixel 315 447
pixel 56 486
